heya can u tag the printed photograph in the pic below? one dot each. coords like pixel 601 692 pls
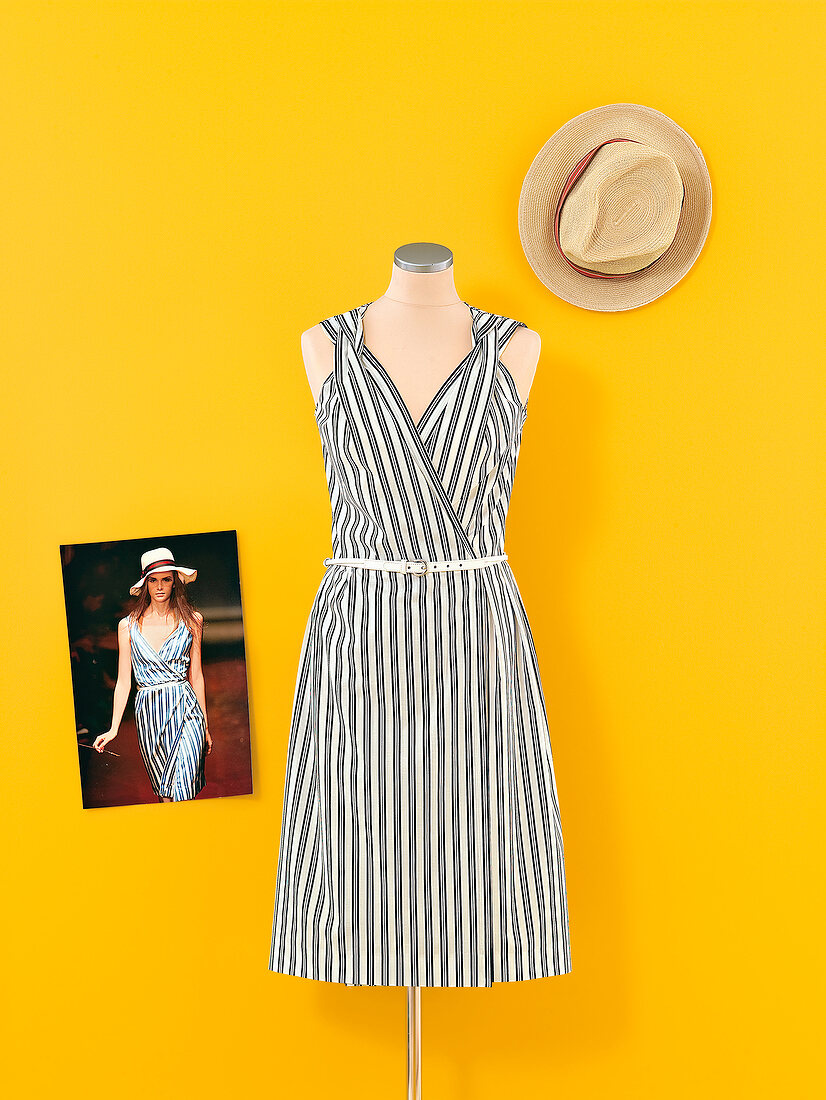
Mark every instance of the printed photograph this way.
pixel 158 665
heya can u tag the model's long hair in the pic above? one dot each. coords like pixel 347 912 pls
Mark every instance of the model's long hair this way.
pixel 179 602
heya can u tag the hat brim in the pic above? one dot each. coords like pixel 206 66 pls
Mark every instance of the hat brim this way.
pixel 184 571
pixel 546 178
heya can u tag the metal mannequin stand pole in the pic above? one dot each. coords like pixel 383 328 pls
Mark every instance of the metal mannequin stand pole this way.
pixel 414 1042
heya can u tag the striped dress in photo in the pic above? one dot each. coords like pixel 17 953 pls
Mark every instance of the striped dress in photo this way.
pixel 171 725
pixel 420 842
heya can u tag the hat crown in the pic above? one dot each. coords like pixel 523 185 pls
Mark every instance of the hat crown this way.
pixel 160 553
pixel 622 213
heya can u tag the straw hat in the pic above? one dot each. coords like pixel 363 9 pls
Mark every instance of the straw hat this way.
pixel 615 207
pixel 161 560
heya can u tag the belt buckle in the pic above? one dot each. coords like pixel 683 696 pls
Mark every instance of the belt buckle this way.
pixel 422 563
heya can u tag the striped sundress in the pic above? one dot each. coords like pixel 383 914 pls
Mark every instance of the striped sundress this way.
pixel 170 721
pixel 421 842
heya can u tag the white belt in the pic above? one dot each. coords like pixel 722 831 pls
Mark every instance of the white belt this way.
pixel 417 565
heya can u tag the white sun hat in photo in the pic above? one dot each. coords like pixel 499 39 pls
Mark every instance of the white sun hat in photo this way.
pixel 161 560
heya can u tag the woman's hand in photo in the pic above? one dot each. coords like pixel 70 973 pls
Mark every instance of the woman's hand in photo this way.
pixel 208 741
pixel 103 739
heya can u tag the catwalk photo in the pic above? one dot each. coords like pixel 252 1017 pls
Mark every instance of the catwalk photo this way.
pixel 134 624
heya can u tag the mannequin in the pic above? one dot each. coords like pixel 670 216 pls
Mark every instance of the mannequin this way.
pixel 419 330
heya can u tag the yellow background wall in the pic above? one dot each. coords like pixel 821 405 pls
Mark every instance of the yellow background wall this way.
pixel 186 188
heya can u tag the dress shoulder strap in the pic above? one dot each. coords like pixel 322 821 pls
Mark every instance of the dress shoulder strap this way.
pixel 505 328
pixel 344 323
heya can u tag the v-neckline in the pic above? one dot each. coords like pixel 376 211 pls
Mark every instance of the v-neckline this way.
pixel 157 652
pixel 361 348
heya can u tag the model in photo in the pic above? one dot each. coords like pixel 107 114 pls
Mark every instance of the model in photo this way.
pixel 160 641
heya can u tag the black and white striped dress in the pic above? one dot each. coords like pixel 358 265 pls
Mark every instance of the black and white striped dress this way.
pixel 421 842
